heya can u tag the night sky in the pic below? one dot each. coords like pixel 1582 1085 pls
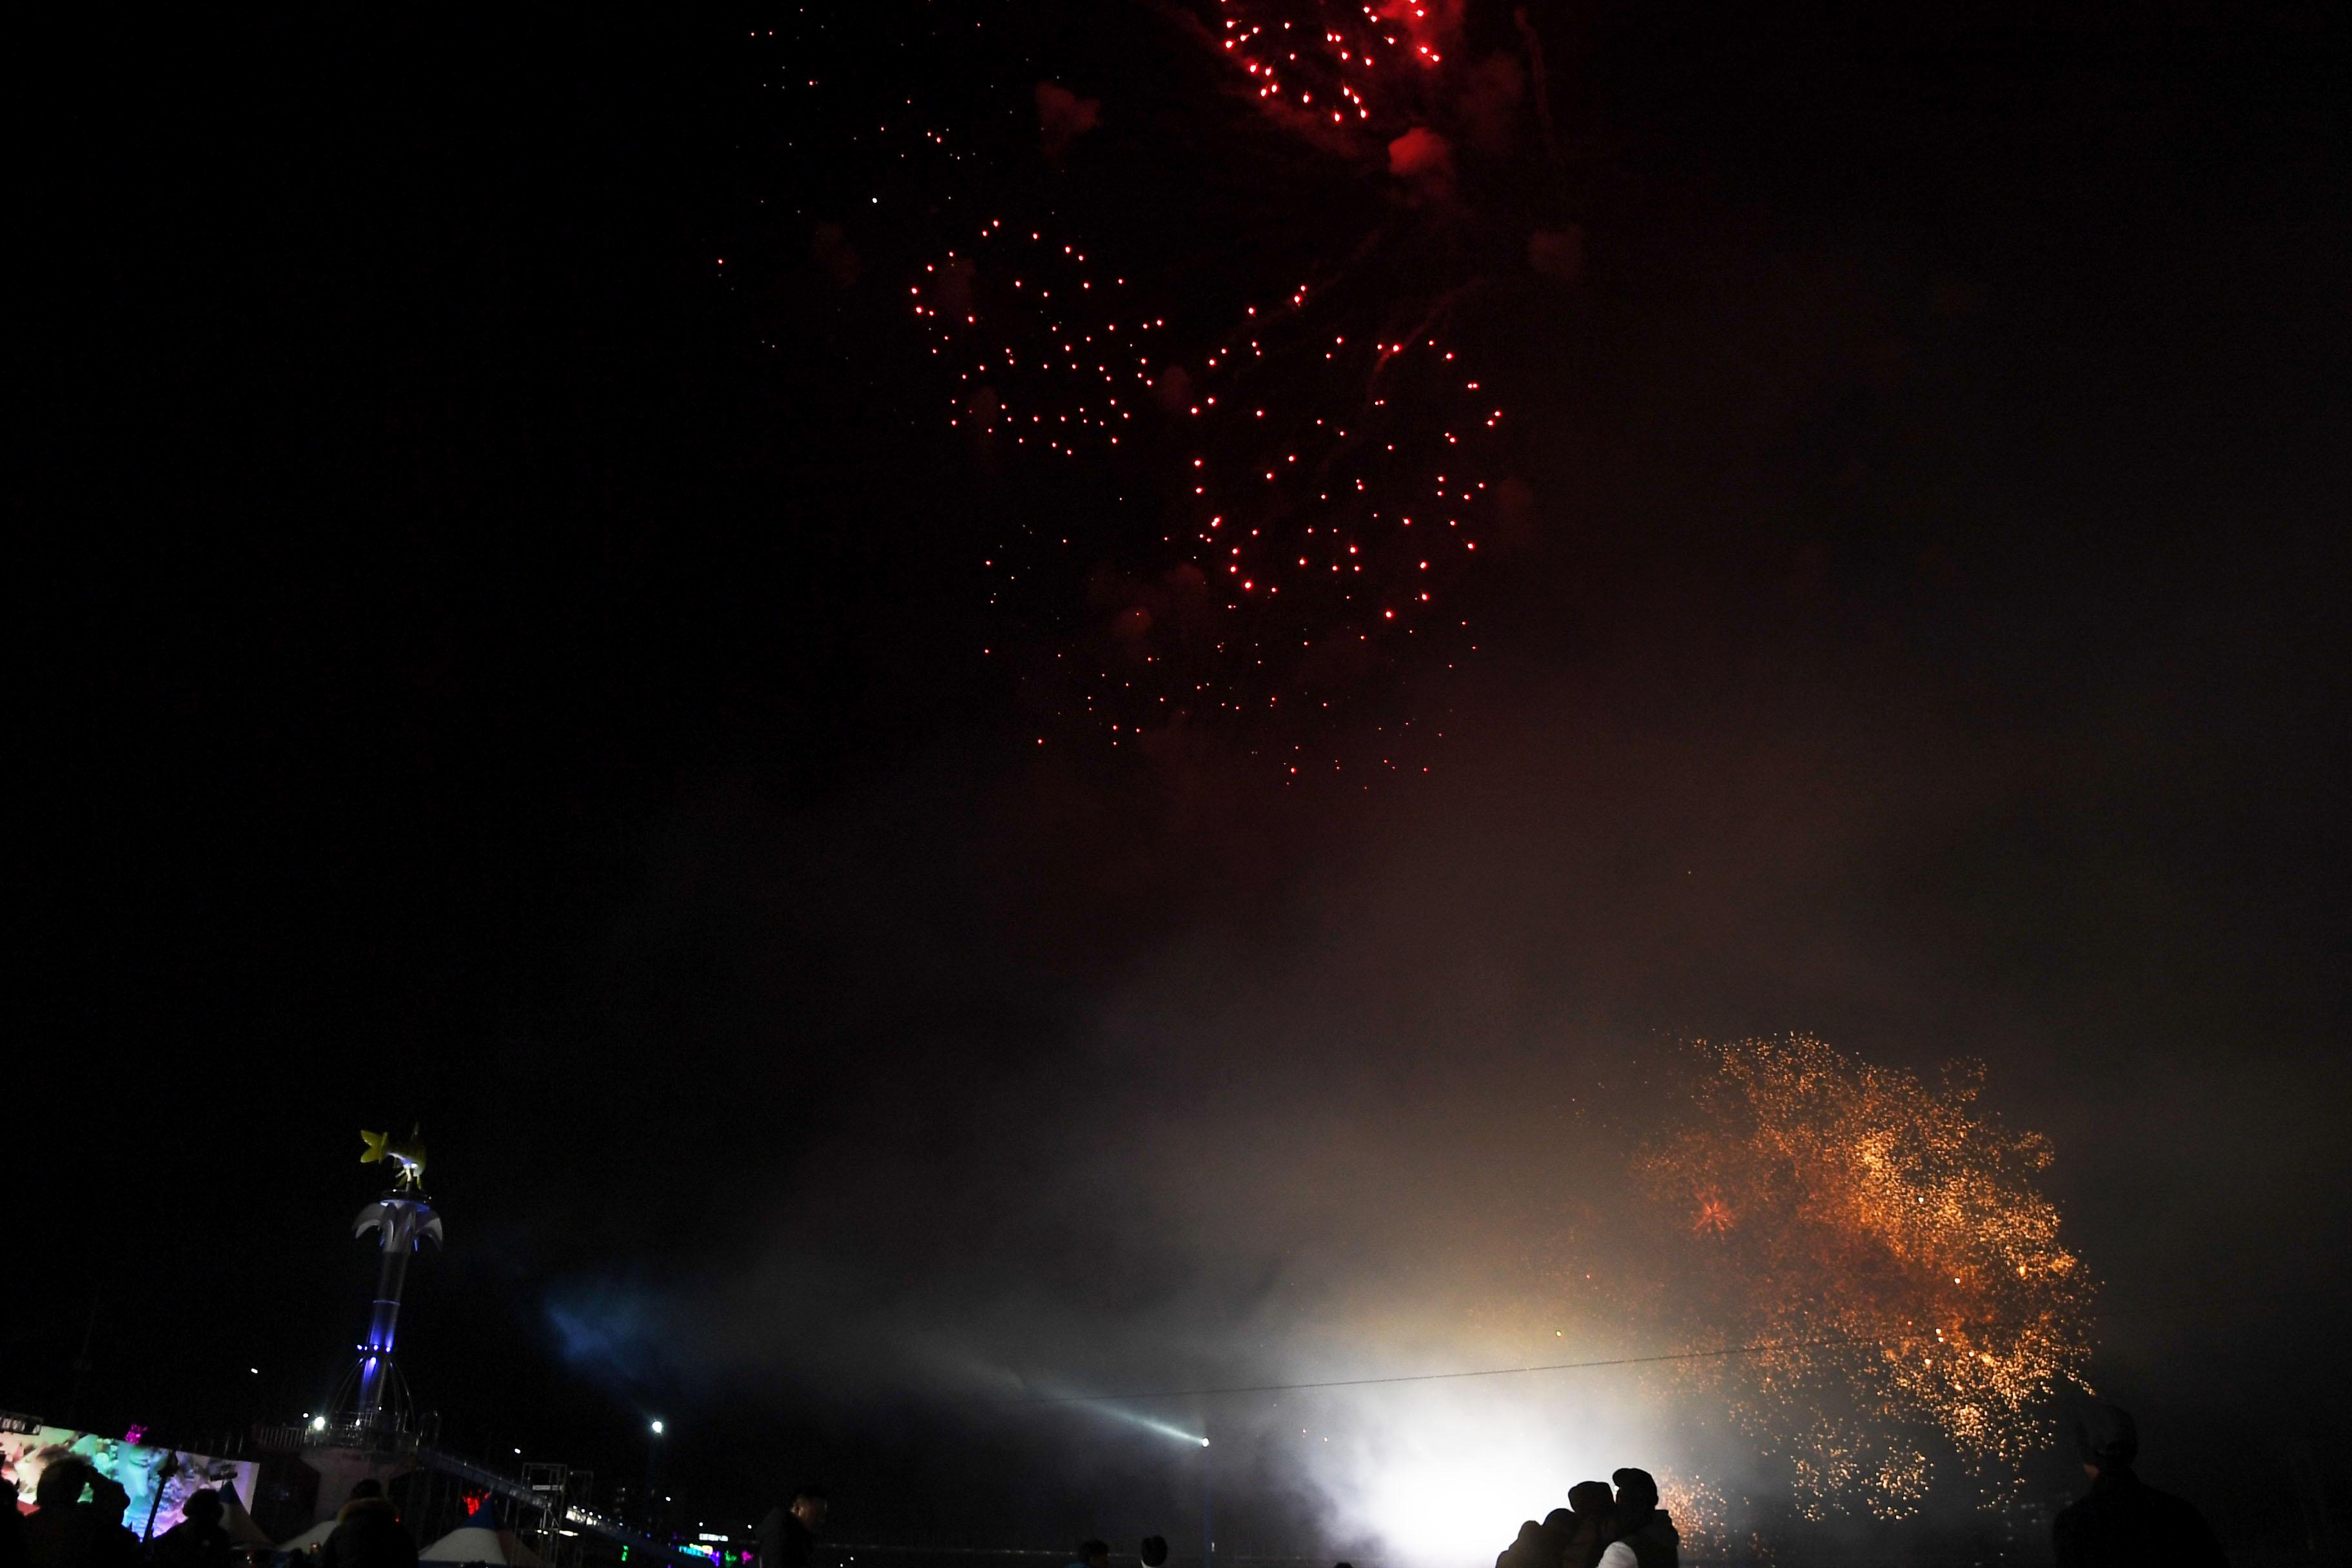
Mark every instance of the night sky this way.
pixel 499 619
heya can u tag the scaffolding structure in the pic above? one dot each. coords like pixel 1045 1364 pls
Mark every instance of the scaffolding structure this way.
pixel 561 1492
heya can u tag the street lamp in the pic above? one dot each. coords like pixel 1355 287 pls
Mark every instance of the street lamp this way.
pixel 1208 1480
pixel 653 1458
pixel 1208 1512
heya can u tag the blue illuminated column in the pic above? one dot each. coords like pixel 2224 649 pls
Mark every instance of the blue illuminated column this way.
pixel 401 1223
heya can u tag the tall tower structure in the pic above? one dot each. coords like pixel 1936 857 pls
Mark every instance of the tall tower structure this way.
pixel 378 1400
pixel 371 1429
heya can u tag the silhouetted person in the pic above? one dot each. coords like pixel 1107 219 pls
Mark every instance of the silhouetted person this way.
pixel 59 1532
pixel 788 1535
pixel 1558 1529
pixel 198 1540
pixel 368 1533
pixel 1594 1513
pixel 12 1527
pixel 112 1544
pixel 1526 1551
pixel 2122 1521
pixel 1642 1536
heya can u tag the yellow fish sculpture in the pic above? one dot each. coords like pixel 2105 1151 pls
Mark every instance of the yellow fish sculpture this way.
pixel 409 1156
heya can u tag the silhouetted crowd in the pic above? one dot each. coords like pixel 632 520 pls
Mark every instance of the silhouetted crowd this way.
pixel 77 1521
pixel 1597 1529
pixel 2121 1522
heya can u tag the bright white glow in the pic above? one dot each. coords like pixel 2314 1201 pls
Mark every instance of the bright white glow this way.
pixel 317 1423
pixel 1442 1473
pixel 657 1428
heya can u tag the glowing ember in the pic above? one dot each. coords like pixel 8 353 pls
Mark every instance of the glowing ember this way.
pixel 1886 1246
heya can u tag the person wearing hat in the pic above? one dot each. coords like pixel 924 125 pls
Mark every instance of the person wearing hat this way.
pixel 1591 1512
pixel 788 1536
pixel 2122 1521
pixel 368 1532
pixel 59 1533
pixel 198 1540
pixel 111 1545
pixel 1641 1535
pixel 1526 1551
pixel 1552 1539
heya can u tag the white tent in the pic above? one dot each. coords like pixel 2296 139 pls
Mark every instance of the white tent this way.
pixel 310 1539
pixel 469 1543
pixel 473 1543
pixel 238 1523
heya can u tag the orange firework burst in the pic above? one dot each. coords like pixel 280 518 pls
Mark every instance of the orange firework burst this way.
pixel 1701 1513
pixel 1886 1247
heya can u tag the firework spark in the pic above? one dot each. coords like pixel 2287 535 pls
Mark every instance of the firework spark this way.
pixel 1045 350
pixel 1322 493
pixel 1886 1245
pixel 1700 1511
pixel 1273 490
pixel 1339 64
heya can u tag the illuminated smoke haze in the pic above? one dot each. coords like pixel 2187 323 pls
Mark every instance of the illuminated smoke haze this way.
pixel 1389 1118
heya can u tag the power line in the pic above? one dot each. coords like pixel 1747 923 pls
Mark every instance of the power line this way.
pixel 1723 1354
pixel 1420 1376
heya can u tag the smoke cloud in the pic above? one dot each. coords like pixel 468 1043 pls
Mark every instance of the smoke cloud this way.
pixel 1379 1114
pixel 1062 118
pixel 1424 161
